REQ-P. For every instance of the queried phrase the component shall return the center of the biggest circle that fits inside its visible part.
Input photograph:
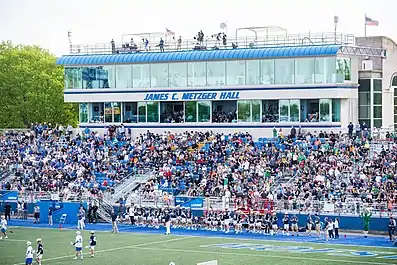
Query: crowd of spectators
(320, 167)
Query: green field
(150, 249)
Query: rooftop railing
(213, 43)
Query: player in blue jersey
(29, 253)
(317, 223)
(286, 225)
(3, 227)
(309, 224)
(92, 243)
(294, 225)
(39, 251)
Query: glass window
(394, 81)
(270, 111)
(178, 74)
(141, 111)
(216, 73)
(325, 110)
(159, 75)
(309, 110)
(130, 112)
(197, 74)
(244, 110)
(123, 76)
(141, 75)
(152, 111)
(325, 71)
(235, 73)
(364, 112)
(364, 85)
(336, 110)
(377, 112)
(294, 107)
(364, 99)
(343, 69)
(377, 98)
(304, 71)
(256, 110)
(83, 112)
(224, 111)
(378, 123)
(284, 110)
(378, 85)
(284, 71)
(99, 77)
(204, 111)
(108, 112)
(267, 71)
(253, 72)
(191, 111)
(96, 113)
(116, 108)
(73, 78)
(171, 112)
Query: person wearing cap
(3, 227)
(29, 253)
(92, 243)
(167, 220)
(78, 243)
(39, 251)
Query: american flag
(371, 22)
(170, 32)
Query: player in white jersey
(78, 243)
(3, 228)
(29, 253)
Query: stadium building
(315, 81)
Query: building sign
(187, 96)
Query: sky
(46, 22)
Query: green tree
(31, 88)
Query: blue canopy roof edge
(201, 55)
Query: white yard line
(115, 249)
(263, 255)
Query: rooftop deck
(171, 44)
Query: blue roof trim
(206, 55)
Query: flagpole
(365, 25)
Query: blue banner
(194, 203)
(8, 195)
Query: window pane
(343, 69)
(178, 74)
(99, 77)
(123, 76)
(152, 111)
(83, 112)
(141, 75)
(395, 100)
(235, 73)
(364, 85)
(378, 85)
(267, 70)
(216, 73)
(116, 107)
(377, 112)
(73, 78)
(304, 71)
(378, 123)
(141, 111)
(159, 75)
(367, 121)
(325, 109)
(284, 71)
(309, 110)
(395, 118)
(256, 110)
(244, 110)
(364, 99)
(325, 72)
(224, 111)
(96, 113)
(270, 111)
(130, 112)
(364, 112)
(204, 111)
(108, 112)
(284, 110)
(294, 110)
(394, 82)
(191, 111)
(336, 110)
(377, 98)
(197, 74)
(253, 72)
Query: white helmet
(78, 233)
(38, 240)
(28, 243)
(3, 217)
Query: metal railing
(213, 43)
(34, 196)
